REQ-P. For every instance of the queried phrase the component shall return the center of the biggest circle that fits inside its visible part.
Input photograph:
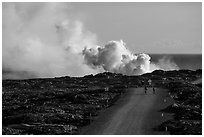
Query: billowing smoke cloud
(115, 57)
(44, 40)
(47, 40)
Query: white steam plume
(115, 57)
(166, 63)
(44, 39)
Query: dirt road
(136, 113)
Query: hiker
(145, 90)
(154, 90)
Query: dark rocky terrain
(63, 105)
(187, 109)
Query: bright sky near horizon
(146, 27)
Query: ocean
(183, 61)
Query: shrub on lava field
(181, 127)
(14, 119)
(189, 114)
(11, 131)
(173, 85)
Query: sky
(146, 27)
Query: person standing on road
(145, 90)
(154, 90)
